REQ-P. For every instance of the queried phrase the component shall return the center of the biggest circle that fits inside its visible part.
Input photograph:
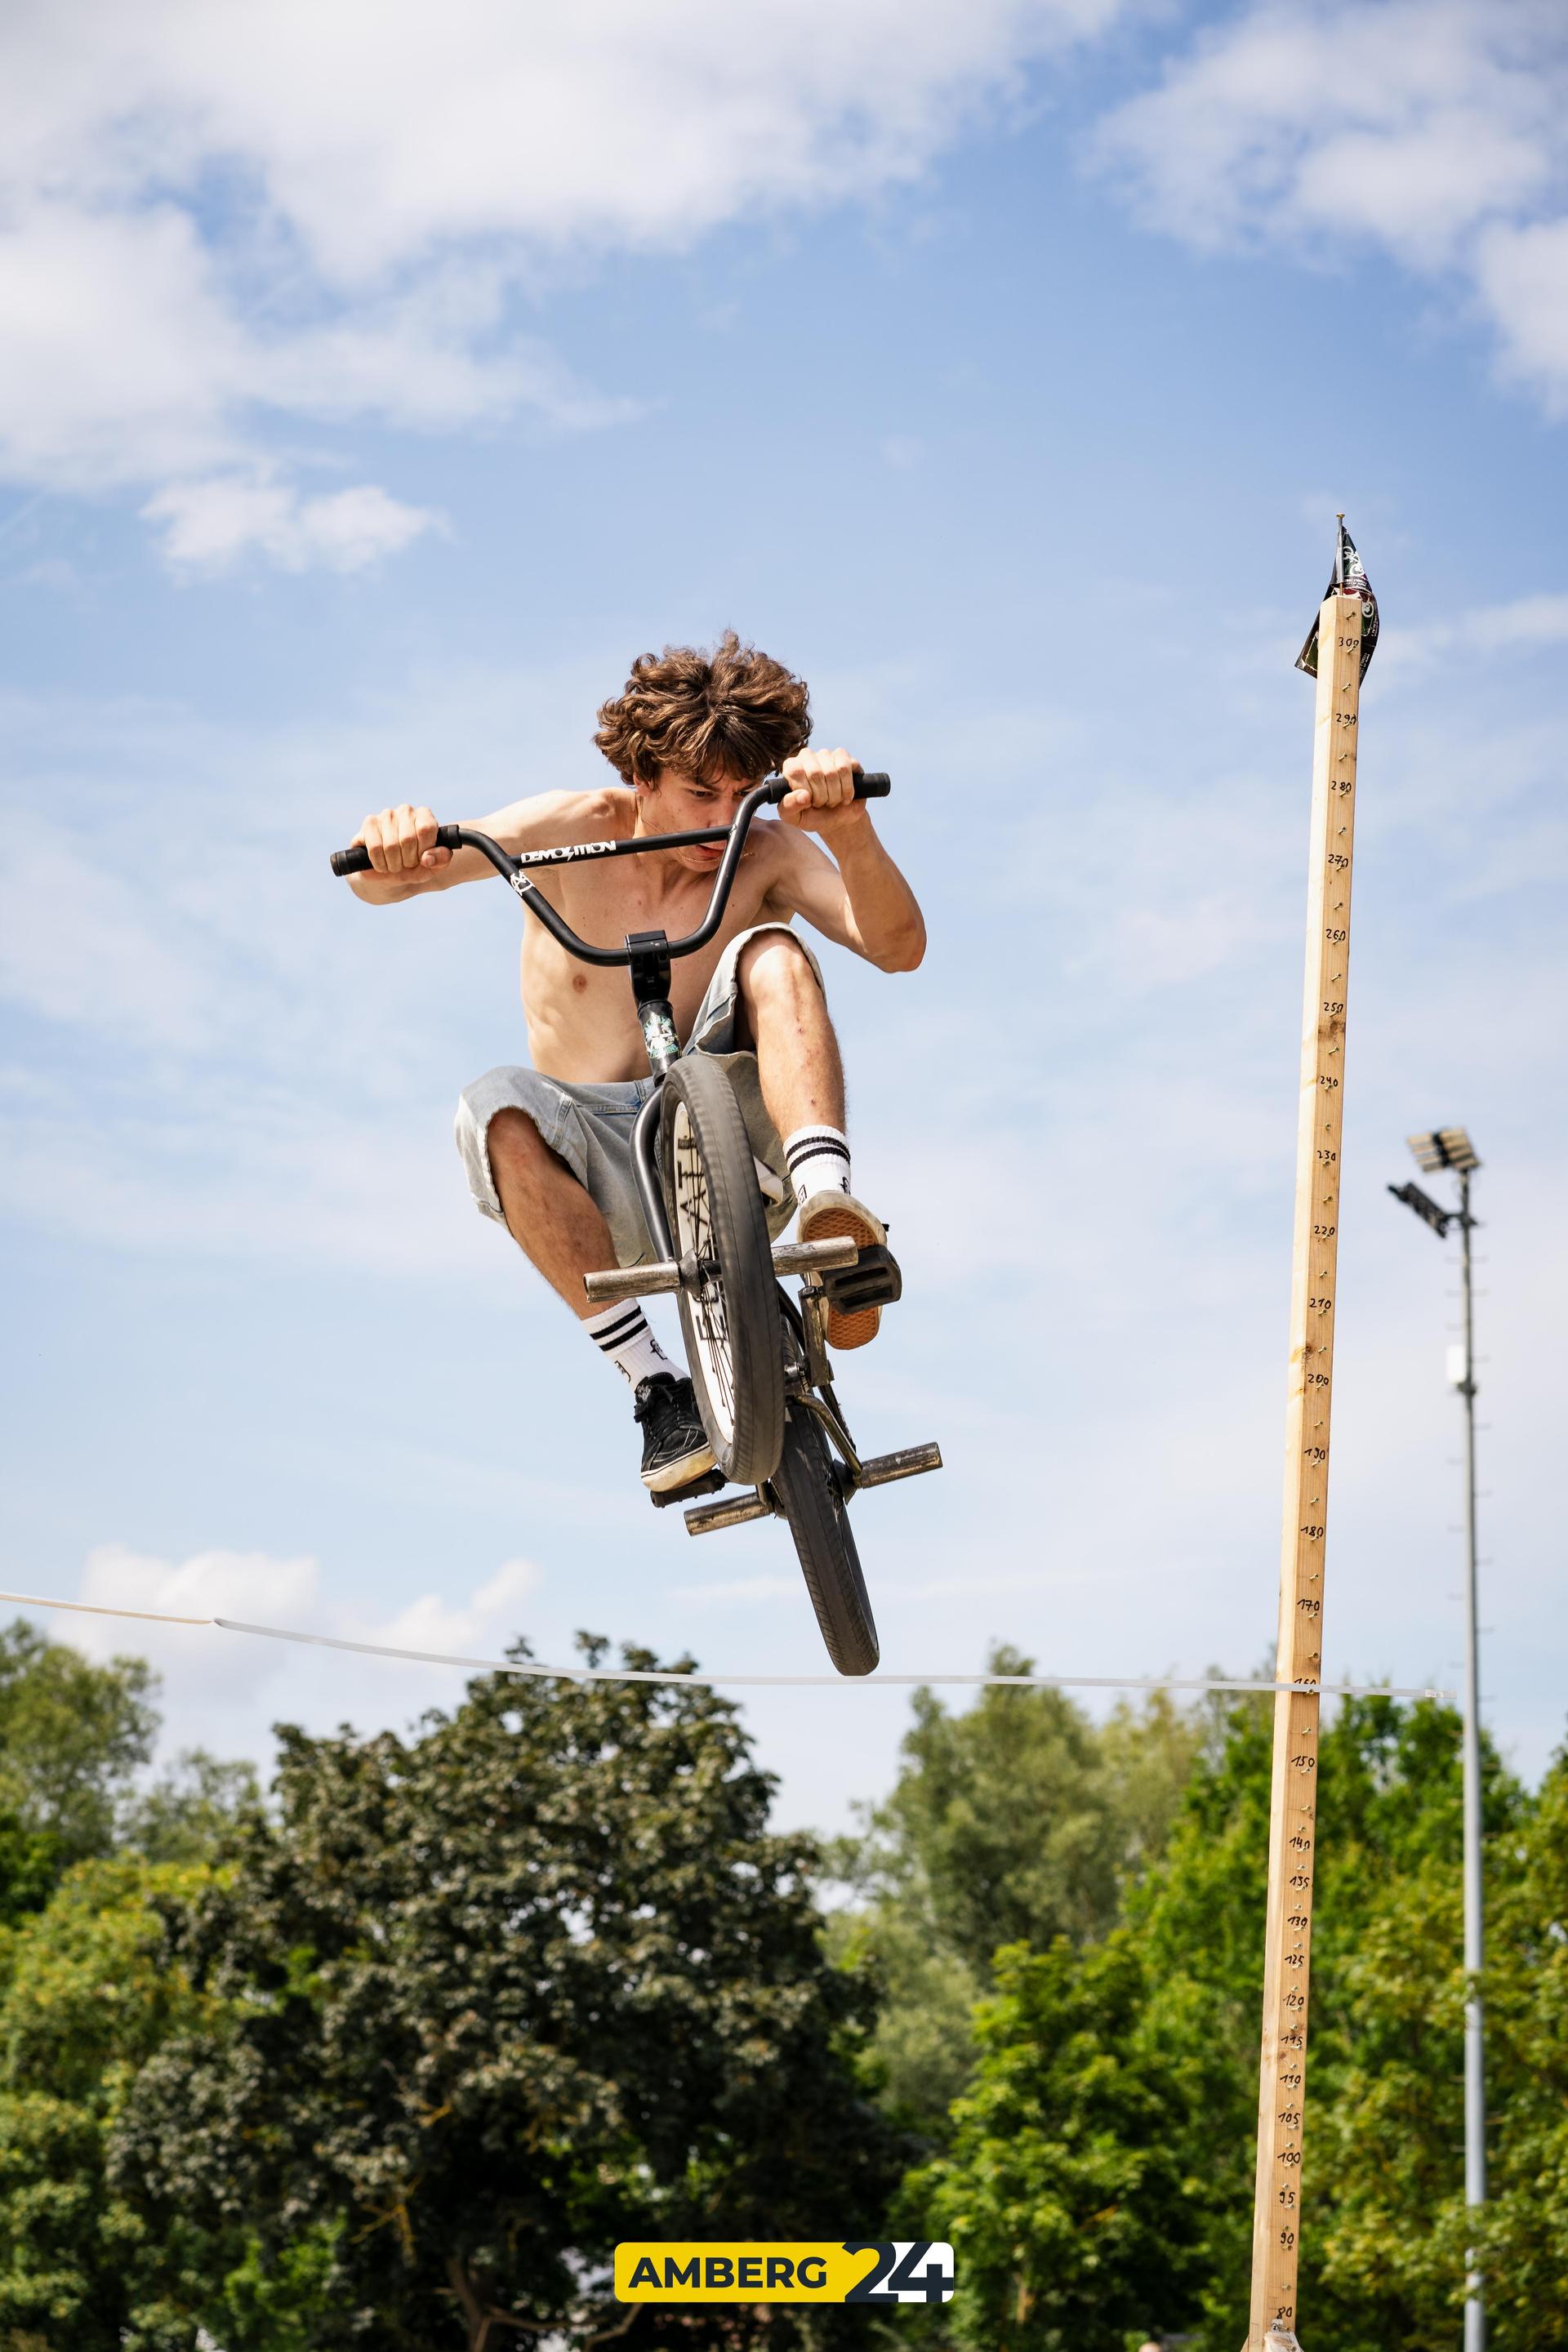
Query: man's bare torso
(582, 1021)
(581, 1018)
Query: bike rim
(709, 1322)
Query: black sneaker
(675, 1445)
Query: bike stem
(648, 954)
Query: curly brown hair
(730, 713)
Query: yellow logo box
(854, 2270)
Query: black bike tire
(808, 1493)
(748, 1452)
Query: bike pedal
(874, 1280)
(710, 1483)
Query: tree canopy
(1125, 2070)
(396, 2056)
(72, 1737)
(1015, 1822)
(488, 1999)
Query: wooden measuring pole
(1293, 1813)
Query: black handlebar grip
(867, 788)
(357, 859)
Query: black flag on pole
(1347, 579)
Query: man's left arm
(856, 898)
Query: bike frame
(648, 955)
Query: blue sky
(373, 391)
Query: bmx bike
(758, 1357)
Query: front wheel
(730, 1319)
(806, 1485)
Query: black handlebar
(357, 859)
(773, 790)
(769, 793)
(875, 787)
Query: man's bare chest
(604, 902)
(582, 1017)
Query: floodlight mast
(1451, 1147)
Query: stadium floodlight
(1445, 1147)
(1426, 1207)
(1450, 1148)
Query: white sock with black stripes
(622, 1333)
(817, 1159)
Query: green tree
(1392, 2229)
(1017, 1821)
(1385, 1954)
(1382, 2220)
(195, 1811)
(31, 1861)
(1149, 1753)
(72, 1737)
(86, 1995)
(999, 1828)
(1524, 2248)
(1065, 2192)
(487, 1999)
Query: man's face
(680, 803)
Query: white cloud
(215, 224)
(77, 946)
(374, 137)
(1523, 626)
(208, 217)
(168, 914)
(430, 1623)
(1433, 129)
(208, 525)
(223, 1689)
(122, 361)
(208, 1584)
(131, 354)
(1523, 278)
(738, 1591)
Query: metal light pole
(1451, 1147)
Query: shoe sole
(858, 1328)
(678, 1474)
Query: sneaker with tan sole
(826, 1217)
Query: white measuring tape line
(736, 1682)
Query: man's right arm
(406, 863)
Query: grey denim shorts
(590, 1126)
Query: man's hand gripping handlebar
(515, 870)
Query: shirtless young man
(548, 1150)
